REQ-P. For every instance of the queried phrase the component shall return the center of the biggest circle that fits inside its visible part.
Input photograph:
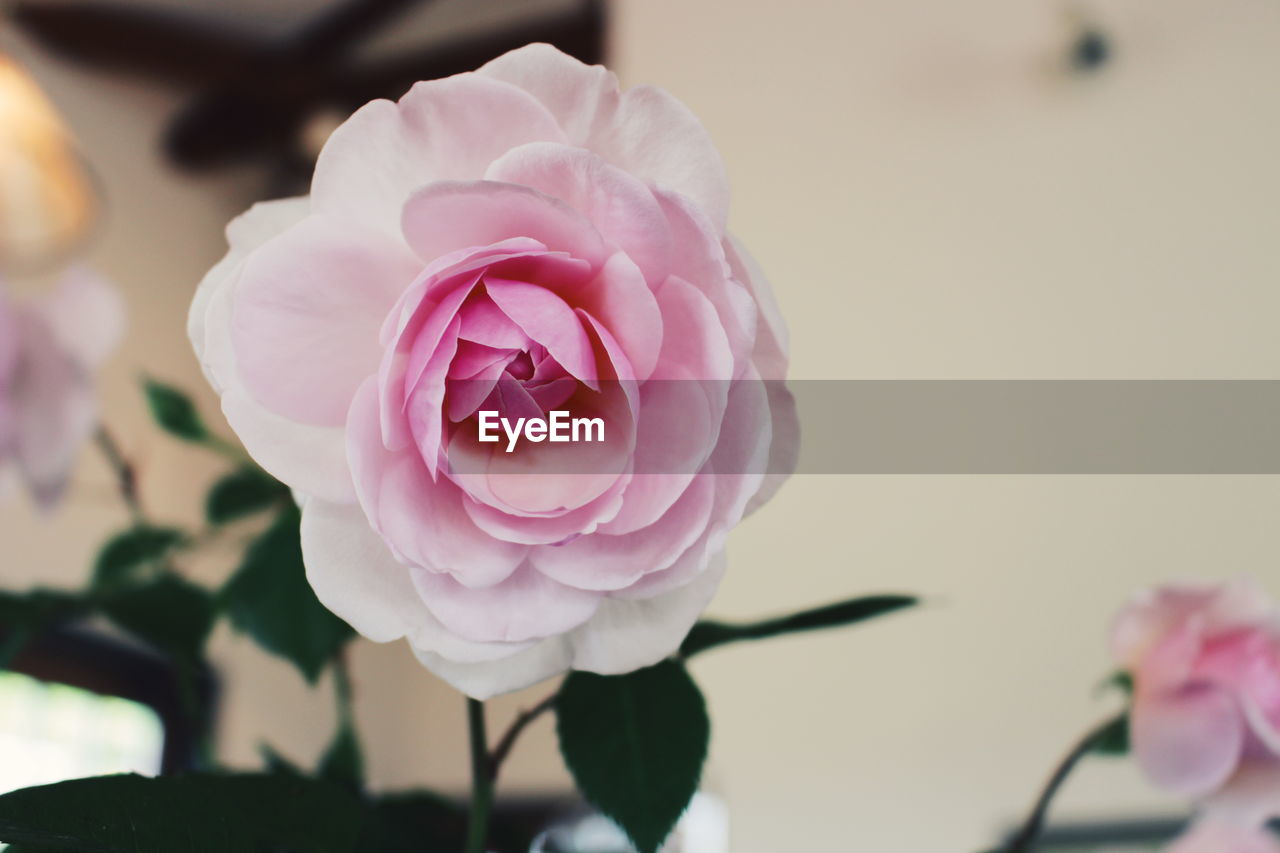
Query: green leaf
(170, 613)
(275, 762)
(242, 493)
(708, 634)
(40, 606)
(133, 549)
(174, 412)
(269, 599)
(418, 822)
(23, 615)
(207, 813)
(1114, 740)
(343, 762)
(635, 745)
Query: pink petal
(310, 459)
(621, 301)
(772, 341)
(447, 216)
(578, 95)
(621, 208)
(1189, 742)
(306, 316)
(699, 258)
(548, 320)
(428, 332)
(656, 138)
(54, 409)
(484, 323)
(527, 605)
(421, 519)
(605, 562)
(645, 131)
(86, 314)
(355, 575)
(627, 634)
(441, 130)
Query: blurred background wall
(934, 196)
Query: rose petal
(86, 315)
(446, 216)
(54, 409)
(448, 129)
(1188, 742)
(422, 519)
(548, 320)
(355, 576)
(527, 605)
(307, 313)
(578, 95)
(620, 207)
(656, 138)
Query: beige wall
(933, 200)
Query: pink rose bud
(1206, 707)
(497, 257)
(49, 351)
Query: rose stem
(508, 739)
(126, 475)
(481, 779)
(1025, 840)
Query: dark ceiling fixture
(254, 95)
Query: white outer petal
(354, 574)
(622, 636)
(308, 458)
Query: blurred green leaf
(243, 493)
(275, 762)
(41, 606)
(128, 551)
(25, 614)
(269, 599)
(205, 813)
(170, 613)
(174, 412)
(343, 762)
(1114, 740)
(635, 745)
(709, 634)
(418, 822)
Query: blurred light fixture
(47, 202)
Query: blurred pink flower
(1216, 836)
(50, 348)
(1206, 707)
(524, 238)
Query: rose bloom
(1205, 722)
(50, 347)
(521, 239)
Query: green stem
(508, 740)
(481, 779)
(342, 689)
(1025, 840)
(126, 475)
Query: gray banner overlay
(1039, 427)
(959, 427)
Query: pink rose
(1206, 707)
(49, 350)
(524, 238)
(1213, 836)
